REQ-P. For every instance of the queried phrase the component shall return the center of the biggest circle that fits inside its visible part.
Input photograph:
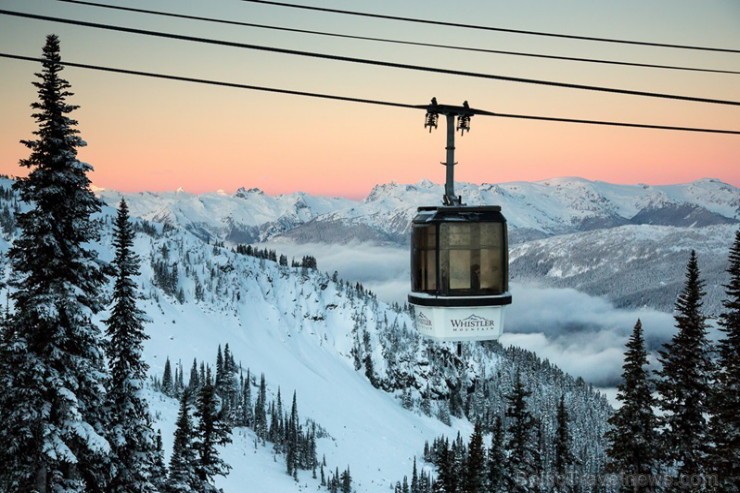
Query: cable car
(459, 263)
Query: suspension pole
(463, 114)
(450, 197)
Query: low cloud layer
(382, 269)
(582, 334)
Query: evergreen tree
(334, 482)
(226, 386)
(520, 443)
(725, 402)
(51, 357)
(403, 487)
(563, 455)
(194, 381)
(260, 413)
(168, 385)
(159, 473)
(292, 438)
(211, 431)
(346, 479)
(683, 386)
(447, 477)
(130, 428)
(179, 379)
(631, 439)
(542, 475)
(219, 367)
(474, 473)
(275, 433)
(496, 459)
(183, 478)
(247, 410)
(415, 478)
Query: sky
(147, 134)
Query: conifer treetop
(52, 369)
(684, 382)
(725, 398)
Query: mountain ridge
(533, 209)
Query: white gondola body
(459, 272)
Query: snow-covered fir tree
(52, 371)
(211, 430)
(226, 384)
(475, 471)
(247, 411)
(130, 432)
(260, 413)
(725, 401)
(168, 383)
(182, 475)
(292, 436)
(159, 470)
(632, 454)
(496, 459)
(520, 439)
(564, 457)
(683, 388)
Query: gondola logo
(473, 322)
(423, 321)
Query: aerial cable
(215, 82)
(472, 111)
(492, 28)
(372, 62)
(399, 41)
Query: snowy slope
(299, 328)
(369, 430)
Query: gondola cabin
(459, 272)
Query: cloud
(383, 269)
(583, 335)
(596, 358)
(558, 312)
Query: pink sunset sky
(147, 134)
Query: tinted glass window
(424, 259)
(472, 258)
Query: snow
(270, 331)
(363, 422)
(96, 442)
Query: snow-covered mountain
(533, 209)
(633, 266)
(244, 217)
(376, 388)
(564, 232)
